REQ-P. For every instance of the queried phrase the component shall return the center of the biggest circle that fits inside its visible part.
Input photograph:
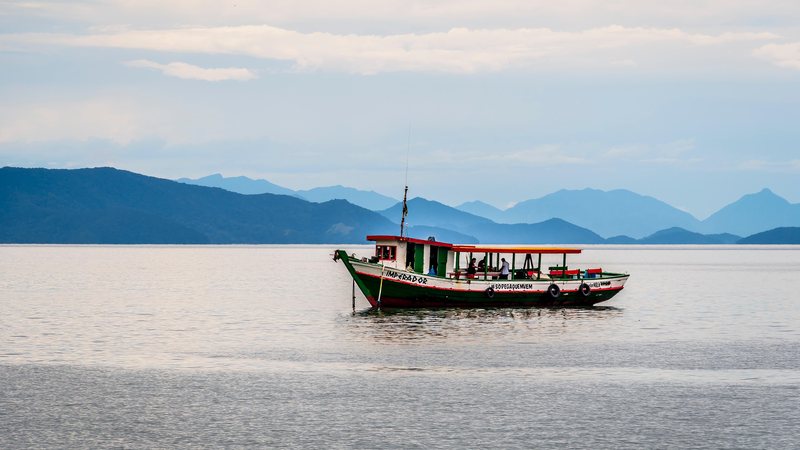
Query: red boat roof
(380, 237)
(487, 249)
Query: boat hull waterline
(401, 289)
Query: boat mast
(405, 193)
(405, 211)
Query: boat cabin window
(386, 252)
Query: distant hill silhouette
(366, 199)
(482, 209)
(106, 205)
(608, 213)
(244, 185)
(241, 185)
(621, 239)
(629, 217)
(111, 206)
(432, 213)
(621, 214)
(677, 235)
(552, 231)
(754, 213)
(783, 235)
(441, 234)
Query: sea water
(161, 346)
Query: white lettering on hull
(512, 286)
(406, 277)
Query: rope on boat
(380, 287)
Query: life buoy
(554, 290)
(585, 290)
(489, 292)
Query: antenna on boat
(405, 192)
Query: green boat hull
(385, 292)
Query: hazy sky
(693, 102)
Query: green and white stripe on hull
(398, 288)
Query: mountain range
(782, 235)
(607, 213)
(244, 185)
(677, 235)
(611, 214)
(241, 185)
(106, 205)
(754, 213)
(622, 212)
(551, 231)
(110, 206)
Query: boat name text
(406, 277)
(513, 286)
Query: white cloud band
(191, 72)
(782, 55)
(459, 50)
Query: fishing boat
(405, 272)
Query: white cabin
(422, 256)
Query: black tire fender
(489, 292)
(584, 289)
(554, 291)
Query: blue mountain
(676, 235)
(244, 185)
(241, 185)
(754, 213)
(366, 199)
(110, 206)
(482, 209)
(441, 234)
(782, 235)
(107, 205)
(608, 213)
(432, 213)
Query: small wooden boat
(406, 272)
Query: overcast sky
(693, 102)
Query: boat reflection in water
(458, 324)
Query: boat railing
(564, 272)
(493, 274)
(555, 273)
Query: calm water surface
(147, 347)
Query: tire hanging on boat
(585, 290)
(489, 292)
(554, 291)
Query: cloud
(547, 155)
(677, 148)
(190, 72)
(782, 55)
(670, 153)
(362, 15)
(625, 151)
(759, 165)
(458, 50)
